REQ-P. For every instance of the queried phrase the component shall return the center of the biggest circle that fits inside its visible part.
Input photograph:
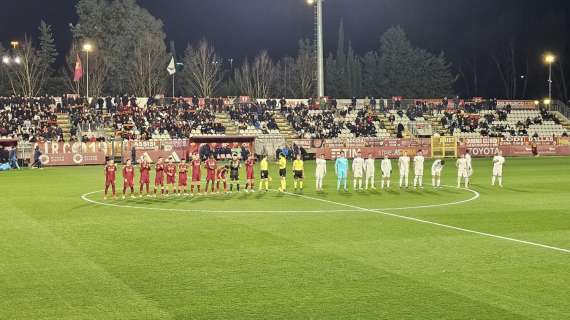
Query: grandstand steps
(389, 126)
(436, 124)
(65, 125)
(284, 127)
(224, 119)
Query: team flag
(171, 67)
(78, 73)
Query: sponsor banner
(377, 152)
(74, 153)
(374, 142)
(517, 104)
(152, 156)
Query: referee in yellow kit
(283, 172)
(298, 171)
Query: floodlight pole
(320, 49)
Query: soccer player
(264, 174)
(498, 161)
(170, 176)
(468, 159)
(298, 172)
(436, 170)
(283, 172)
(159, 177)
(341, 169)
(462, 171)
(369, 171)
(321, 171)
(110, 170)
(419, 170)
(357, 171)
(196, 174)
(144, 179)
(249, 174)
(404, 167)
(128, 178)
(386, 167)
(221, 176)
(182, 178)
(211, 165)
(235, 164)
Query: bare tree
(256, 79)
(98, 69)
(28, 74)
(304, 70)
(203, 69)
(149, 67)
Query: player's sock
(199, 191)
(106, 189)
(113, 187)
(354, 184)
(388, 183)
(360, 184)
(338, 184)
(345, 182)
(438, 182)
(301, 185)
(238, 187)
(493, 180)
(466, 182)
(231, 187)
(500, 181)
(433, 182)
(295, 184)
(421, 181)
(382, 183)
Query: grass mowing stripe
(435, 223)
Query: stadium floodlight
(6, 60)
(17, 60)
(14, 44)
(547, 102)
(87, 47)
(536, 102)
(549, 58)
(318, 4)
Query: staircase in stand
(224, 119)
(65, 125)
(284, 127)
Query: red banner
(74, 153)
(517, 104)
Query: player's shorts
(419, 172)
(436, 172)
(129, 183)
(234, 175)
(264, 174)
(404, 173)
(170, 179)
(196, 177)
(144, 180)
(463, 174)
(210, 176)
(498, 172)
(250, 175)
(341, 175)
(159, 180)
(283, 173)
(298, 174)
(109, 182)
(386, 174)
(183, 180)
(319, 175)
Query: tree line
(131, 56)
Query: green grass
(64, 258)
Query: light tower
(87, 48)
(549, 58)
(318, 4)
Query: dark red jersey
(128, 173)
(170, 170)
(221, 173)
(249, 163)
(182, 169)
(110, 171)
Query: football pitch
(484, 253)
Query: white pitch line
(85, 198)
(435, 223)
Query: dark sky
(463, 29)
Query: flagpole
(173, 86)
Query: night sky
(238, 28)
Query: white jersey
(436, 168)
(469, 167)
(386, 166)
(321, 170)
(498, 162)
(358, 167)
(404, 164)
(462, 167)
(369, 167)
(419, 165)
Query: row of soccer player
(216, 176)
(365, 169)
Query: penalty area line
(485, 234)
